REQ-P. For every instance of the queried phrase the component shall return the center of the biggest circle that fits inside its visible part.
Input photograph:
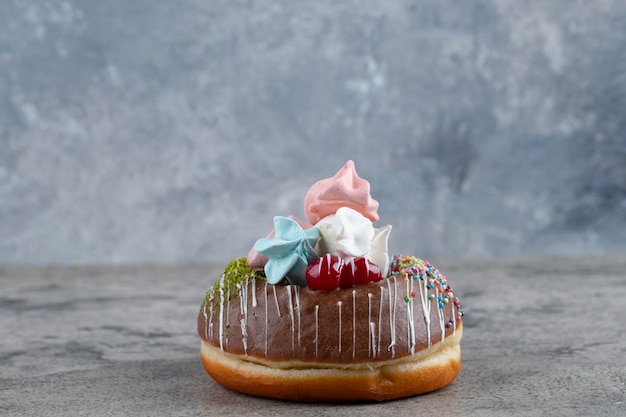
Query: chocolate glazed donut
(389, 339)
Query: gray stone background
(142, 131)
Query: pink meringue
(345, 189)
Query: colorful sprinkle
(409, 267)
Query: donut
(321, 321)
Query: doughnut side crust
(332, 382)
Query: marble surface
(542, 337)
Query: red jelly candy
(360, 271)
(325, 273)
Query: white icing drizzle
(206, 323)
(221, 328)
(244, 337)
(243, 298)
(317, 309)
(442, 323)
(211, 321)
(297, 293)
(339, 305)
(392, 317)
(425, 306)
(409, 312)
(254, 292)
(276, 299)
(453, 318)
(267, 319)
(293, 324)
(354, 323)
(455, 311)
(380, 316)
(372, 340)
(227, 315)
(408, 327)
(369, 321)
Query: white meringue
(379, 252)
(346, 234)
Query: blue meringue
(289, 252)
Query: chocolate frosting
(379, 321)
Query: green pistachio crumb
(234, 274)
